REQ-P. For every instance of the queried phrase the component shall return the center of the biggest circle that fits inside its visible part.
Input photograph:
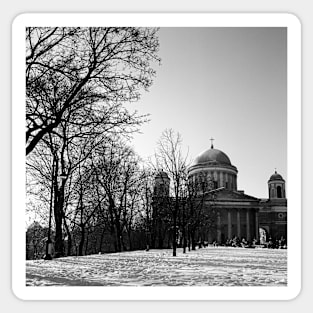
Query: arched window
(279, 193)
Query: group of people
(236, 242)
(277, 243)
(243, 243)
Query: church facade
(237, 214)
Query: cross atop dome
(212, 139)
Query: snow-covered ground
(222, 266)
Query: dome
(214, 165)
(276, 176)
(212, 156)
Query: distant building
(236, 213)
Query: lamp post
(184, 202)
(48, 255)
(49, 243)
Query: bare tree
(62, 151)
(116, 167)
(77, 80)
(199, 215)
(73, 69)
(86, 205)
(146, 212)
(169, 156)
(133, 186)
(35, 241)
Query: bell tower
(276, 187)
(161, 185)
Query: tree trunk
(154, 230)
(123, 243)
(129, 240)
(184, 240)
(153, 237)
(161, 234)
(69, 237)
(174, 226)
(59, 247)
(101, 240)
(188, 240)
(174, 235)
(184, 232)
(94, 242)
(193, 242)
(58, 216)
(82, 240)
(118, 236)
(87, 241)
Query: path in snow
(204, 267)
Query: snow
(211, 266)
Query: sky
(225, 83)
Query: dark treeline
(97, 240)
(113, 203)
(87, 189)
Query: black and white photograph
(157, 156)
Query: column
(221, 184)
(257, 225)
(219, 234)
(238, 224)
(229, 234)
(248, 225)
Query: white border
(161, 20)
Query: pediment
(233, 195)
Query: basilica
(237, 214)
